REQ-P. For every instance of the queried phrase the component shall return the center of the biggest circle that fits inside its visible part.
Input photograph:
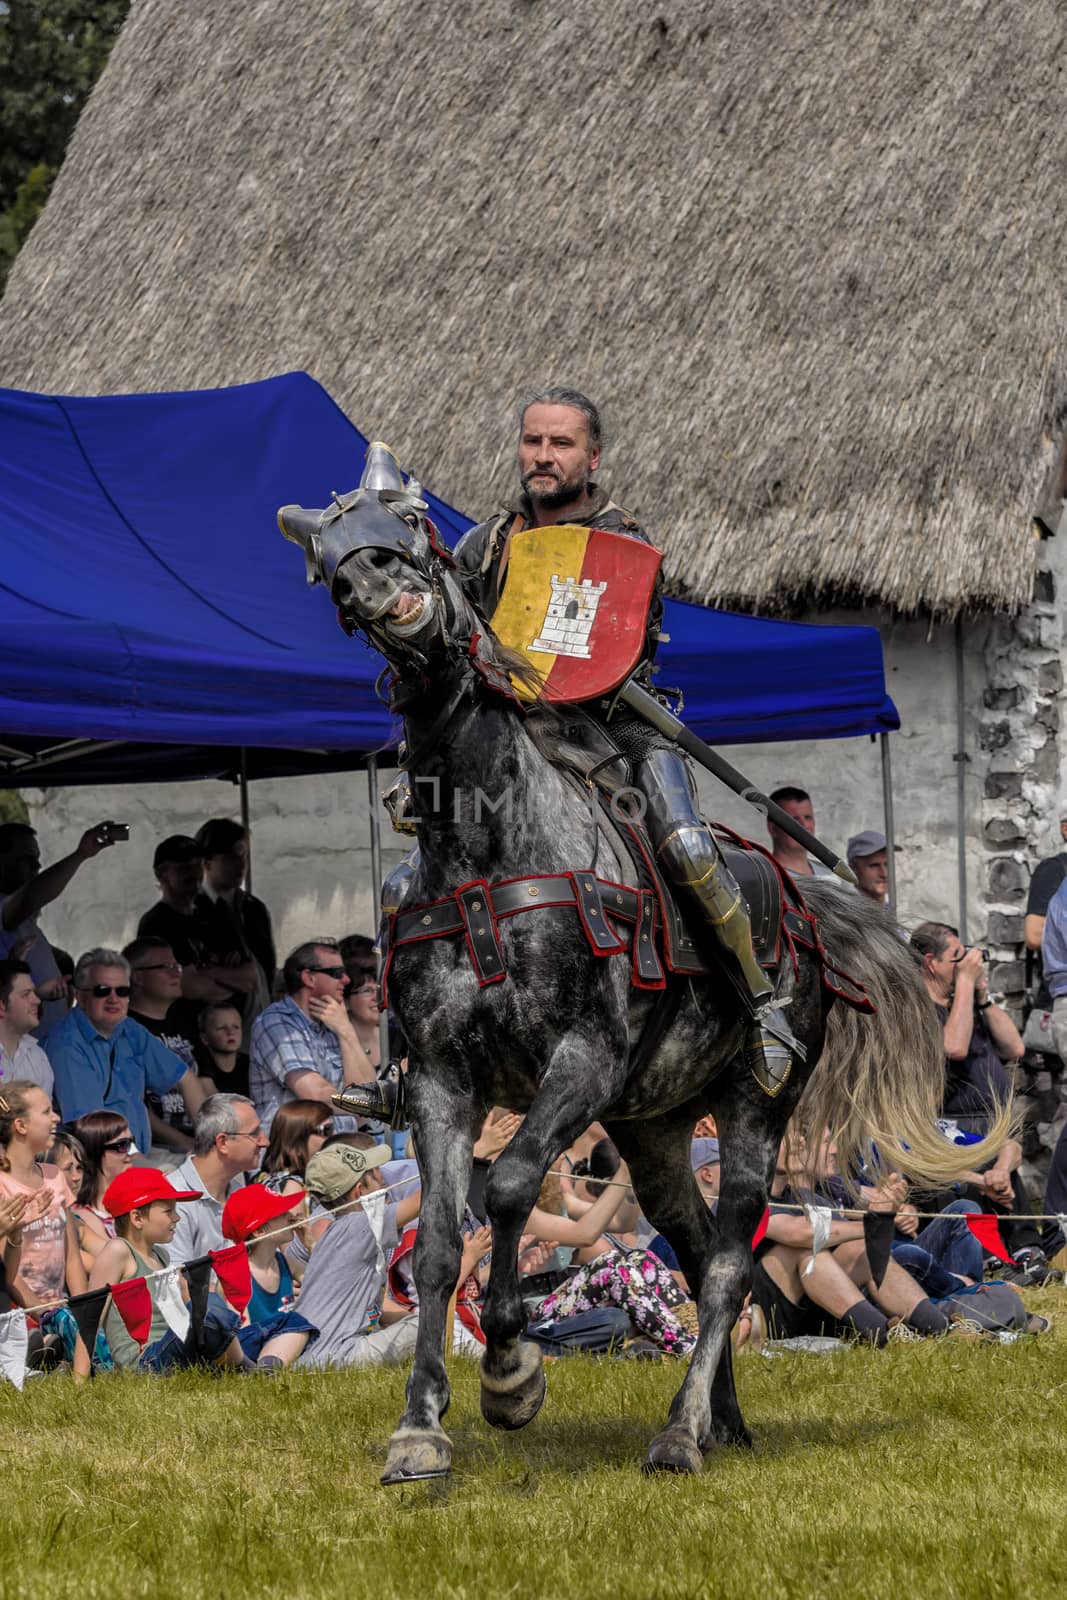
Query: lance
(649, 709)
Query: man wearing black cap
(179, 917)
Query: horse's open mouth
(408, 612)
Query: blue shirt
(1054, 943)
(98, 1074)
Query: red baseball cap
(139, 1186)
(251, 1208)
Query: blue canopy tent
(155, 624)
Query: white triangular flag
(14, 1340)
(374, 1211)
(820, 1218)
(170, 1302)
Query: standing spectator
(224, 848)
(1048, 875)
(185, 919)
(1053, 956)
(305, 1047)
(868, 856)
(979, 1038)
(103, 1061)
(227, 1141)
(25, 890)
(156, 1003)
(786, 851)
(50, 1265)
(222, 1063)
(107, 1149)
(20, 1010)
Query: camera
(116, 831)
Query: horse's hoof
(512, 1399)
(674, 1450)
(734, 1435)
(417, 1453)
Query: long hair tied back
(14, 1103)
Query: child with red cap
(145, 1208)
(274, 1334)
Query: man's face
(556, 460)
(226, 871)
(326, 977)
(180, 880)
(240, 1151)
(22, 1010)
(942, 968)
(105, 1011)
(801, 810)
(157, 976)
(872, 875)
(21, 863)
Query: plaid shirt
(285, 1041)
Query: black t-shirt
(235, 1082)
(170, 1107)
(973, 1085)
(204, 937)
(1048, 875)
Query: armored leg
(692, 861)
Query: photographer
(980, 1038)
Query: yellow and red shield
(576, 603)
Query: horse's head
(392, 578)
(382, 560)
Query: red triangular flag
(986, 1230)
(133, 1303)
(762, 1229)
(234, 1274)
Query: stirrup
(381, 1102)
(770, 1049)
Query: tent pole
(887, 812)
(961, 782)
(243, 780)
(373, 802)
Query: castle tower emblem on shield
(570, 617)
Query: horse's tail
(880, 1079)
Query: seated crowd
(168, 1099)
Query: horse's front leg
(444, 1121)
(705, 1409)
(580, 1080)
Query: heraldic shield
(576, 603)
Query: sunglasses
(329, 972)
(324, 1130)
(102, 990)
(160, 966)
(123, 1146)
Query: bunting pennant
(170, 1302)
(14, 1341)
(133, 1302)
(234, 1274)
(198, 1279)
(986, 1230)
(87, 1309)
(761, 1230)
(878, 1230)
(374, 1210)
(820, 1218)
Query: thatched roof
(808, 259)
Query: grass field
(933, 1469)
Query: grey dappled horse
(554, 1039)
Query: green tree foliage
(51, 54)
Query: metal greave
(692, 861)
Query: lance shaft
(650, 709)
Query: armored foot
(416, 1453)
(674, 1450)
(512, 1398)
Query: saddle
(643, 919)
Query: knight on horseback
(560, 443)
